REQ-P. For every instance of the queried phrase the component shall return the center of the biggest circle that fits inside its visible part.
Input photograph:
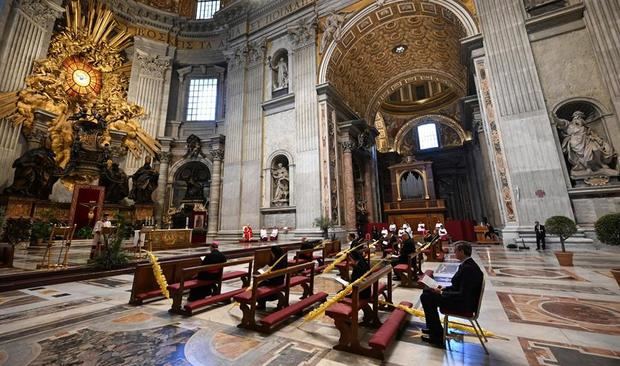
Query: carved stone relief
(154, 66)
(194, 148)
(39, 11)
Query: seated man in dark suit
(462, 295)
(214, 257)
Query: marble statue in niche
(144, 183)
(279, 67)
(281, 185)
(587, 153)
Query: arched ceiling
(364, 68)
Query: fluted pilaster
(235, 99)
(308, 182)
(253, 134)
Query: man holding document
(462, 295)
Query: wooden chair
(471, 316)
(66, 233)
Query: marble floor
(546, 315)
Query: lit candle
(186, 222)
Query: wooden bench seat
(280, 315)
(387, 332)
(191, 306)
(188, 280)
(227, 276)
(145, 287)
(248, 299)
(345, 314)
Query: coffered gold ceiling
(365, 70)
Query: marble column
(308, 168)
(521, 134)
(235, 101)
(368, 190)
(347, 146)
(29, 27)
(217, 155)
(160, 194)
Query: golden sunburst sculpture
(83, 71)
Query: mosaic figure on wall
(586, 151)
(144, 183)
(281, 185)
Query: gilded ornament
(82, 72)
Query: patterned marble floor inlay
(533, 273)
(90, 323)
(563, 312)
(555, 287)
(547, 353)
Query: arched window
(280, 181)
(427, 136)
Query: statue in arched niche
(281, 185)
(586, 151)
(279, 66)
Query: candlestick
(187, 222)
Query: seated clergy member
(305, 244)
(214, 257)
(274, 234)
(406, 248)
(462, 295)
(276, 254)
(263, 235)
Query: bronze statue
(35, 174)
(115, 181)
(144, 183)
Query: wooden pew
(344, 266)
(345, 315)
(144, 284)
(188, 280)
(410, 273)
(248, 299)
(435, 253)
(262, 257)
